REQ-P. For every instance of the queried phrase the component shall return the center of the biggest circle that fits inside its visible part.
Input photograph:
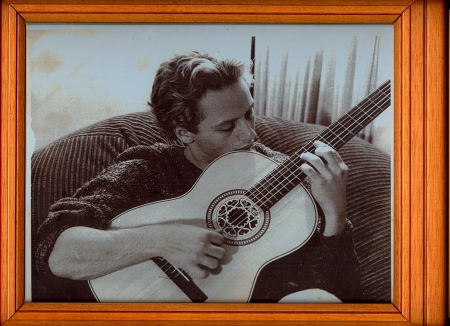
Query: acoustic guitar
(262, 207)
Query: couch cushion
(61, 167)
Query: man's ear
(184, 135)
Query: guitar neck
(350, 124)
(284, 178)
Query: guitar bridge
(181, 279)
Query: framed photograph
(416, 260)
(303, 75)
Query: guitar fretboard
(286, 176)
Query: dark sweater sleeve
(327, 263)
(335, 266)
(123, 185)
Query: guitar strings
(292, 164)
(290, 169)
(266, 192)
(358, 117)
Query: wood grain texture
(420, 192)
(349, 3)
(207, 9)
(402, 164)
(417, 165)
(435, 158)
(20, 164)
(417, 203)
(9, 160)
(201, 323)
(207, 13)
(207, 18)
(212, 312)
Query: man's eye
(228, 128)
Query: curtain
(310, 91)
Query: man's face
(228, 124)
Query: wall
(79, 74)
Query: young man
(206, 104)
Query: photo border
(420, 160)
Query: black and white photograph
(209, 163)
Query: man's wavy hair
(182, 81)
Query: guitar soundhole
(241, 221)
(237, 217)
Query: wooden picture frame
(420, 160)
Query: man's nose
(247, 132)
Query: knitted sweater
(145, 174)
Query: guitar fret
(338, 137)
(273, 190)
(279, 174)
(260, 199)
(289, 170)
(266, 198)
(270, 194)
(323, 140)
(362, 126)
(278, 181)
(264, 187)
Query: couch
(59, 168)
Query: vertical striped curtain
(312, 93)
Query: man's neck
(194, 160)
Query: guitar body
(254, 238)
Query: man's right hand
(82, 253)
(194, 249)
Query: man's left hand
(327, 174)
